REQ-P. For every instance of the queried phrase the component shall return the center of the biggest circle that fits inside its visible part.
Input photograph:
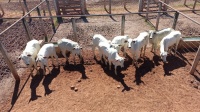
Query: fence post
(165, 6)
(74, 28)
(42, 6)
(23, 10)
(59, 19)
(26, 7)
(122, 24)
(109, 6)
(175, 20)
(158, 17)
(195, 62)
(41, 23)
(147, 14)
(140, 6)
(8, 61)
(26, 29)
(104, 4)
(2, 14)
(185, 2)
(83, 7)
(195, 2)
(52, 23)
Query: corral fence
(177, 20)
(44, 28)
(20, 32)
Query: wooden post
(26, 29)
(26, 7)
(59, 19)
(74, 28)
(109, 6)
(165, 6)
(1, 15)
(1, 8)
(42, 6)
(158, 17)
(23, 10)
(42, 25)
(185, 2)
(124, 4)
(9, 62)
(147, 14)
(104, 4)
(175, 20)
(195, 62)
(122, 24)
(140, 9)
(52, 23)
(195, 2)
(83, 7)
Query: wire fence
(16, 33)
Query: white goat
(122, 41)
(30, 53)
(47, 50)
(97, 38)
(67, 45)
(111, 54)
(168, 41)
(156, 36)
(137, 44)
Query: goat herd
(108, 50)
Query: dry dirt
(153, 86)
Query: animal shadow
(119, 77)
(156, 60)
(77, 67)
(48, 79)
(146, 67)
(34, 84)
(173, 63)
(127, 62)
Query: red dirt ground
(151, 87)
(154, 86)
